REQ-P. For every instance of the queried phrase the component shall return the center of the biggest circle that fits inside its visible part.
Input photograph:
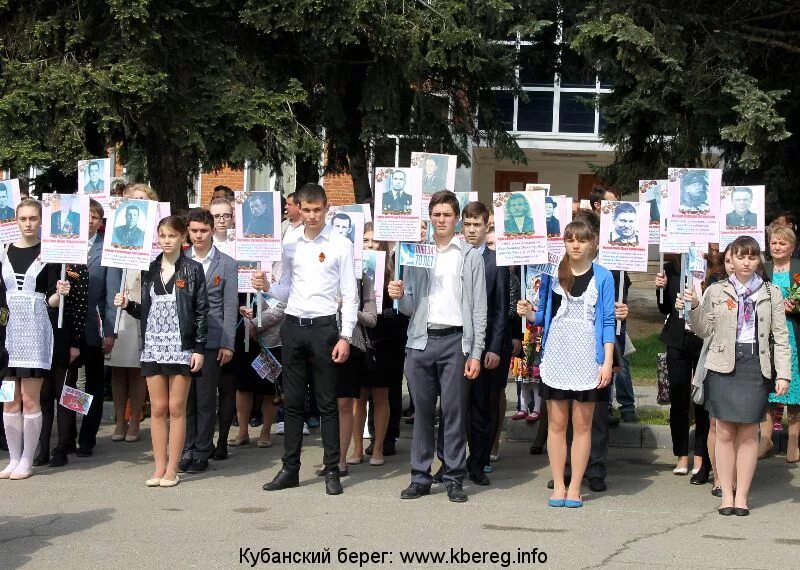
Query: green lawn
(643, 361)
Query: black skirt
(26, 372)
(159, 369)
(350, 375)
(247, 379)
(593, 395)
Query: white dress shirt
(444, 293)
(315, 273)
(206, 261)
(227, 247)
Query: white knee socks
(31, 428)
(13, 425)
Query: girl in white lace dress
(577, 313)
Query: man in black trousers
(485, 391)
(318, 270)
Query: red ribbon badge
(180, 283)
(321, 256)
(731, 304)
(217, 280)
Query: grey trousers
(438, 369)
(201, 409)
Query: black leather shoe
(455, 492)
(597, 485)
(59, 459)
(70, 448)
(551, 484)
(389, 448)
(198, 466)
(726, 511)
(183, 464)
(701, 477)
(370, 448)
(741, 511)
(84, 452)
(716, 492)
(478, 477)
(43, 458)
(332, 484)
(415, 491)
(220, 452)
(285, 479)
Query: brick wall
(233, 179)
(339, 189)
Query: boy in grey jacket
(447, 306)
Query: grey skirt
(740, 396)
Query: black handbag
(662, 395)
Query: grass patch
(654, 416)
(643, 362)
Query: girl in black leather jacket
(173, 315)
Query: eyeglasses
(223, 216)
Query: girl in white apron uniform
(166, 364)
(576, 310)
(31, 287)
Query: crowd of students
(188, 338)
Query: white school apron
(29, 334)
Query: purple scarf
(747, 299)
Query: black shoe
(332, 484)
(285, 479)
(70, 448)
(43, 458)
(478, 477)
(389, 448)
(597, 485)
(408, 412)
(455, 492)
(437, 477)
(235, 422)
(701, 477)
(716, 492)
(410, 420)
(220, 452)
(536, 449)
(741, 512)
(198, 466)
(59, 459)
(551, 484)
(370, 448)
(415, 491)
(629, 416)
(183, 464)
(613, 420)
(256, 422)
(726, 511)
(84, 452)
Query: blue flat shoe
(488, 469)
(570, 504)
(556, 502)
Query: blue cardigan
(604, 322)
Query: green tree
(690, 77)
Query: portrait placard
(375, 269)
(742, 214)
(245, 271)
(65, 228)
(398, 199)
(363, 208)
(351, 226)
(557, 214)
(651, 191)
(258, 226)
(624, 229)
(9, 200)
(535, 187)
(520, 228)
(76, 400)
(129, 233)
(162, 211)
(463, 198)
(533, 283)
(694, 204)
(94, 179)
(437, 172)
(666, 244)
(7, 389)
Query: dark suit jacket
(104, 283)
(132, 238)
(498, 332)
(401, 204)
(674, 332)
(512, 228)
(223, 301)
(7, 213)
(90, 188)
(57, 223)
(734, 220)
(433, 184)
(553, 226)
